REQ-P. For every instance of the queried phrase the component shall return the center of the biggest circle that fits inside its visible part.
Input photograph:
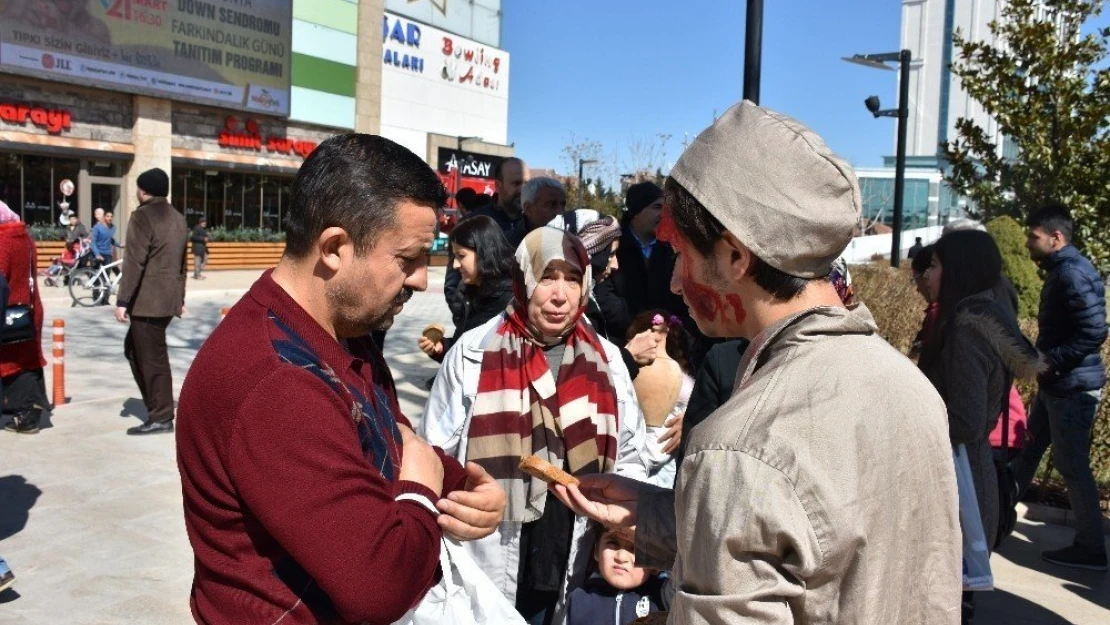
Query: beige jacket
(823, 491)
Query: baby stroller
(75, 256)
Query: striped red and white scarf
(569, 418)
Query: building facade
(937, 100)
(445, 87)
(227, 98)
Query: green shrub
(1016, 264)
(891, 297)
(47, 233)
(244, 235)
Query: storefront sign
(53, 121)
(450, 60)
(248, 136)
(458, 169)
(402, 41)
(231, 53)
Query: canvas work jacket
(823, 491)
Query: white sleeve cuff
(420, 499)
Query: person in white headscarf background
(538, 380)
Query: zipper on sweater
(617, 612)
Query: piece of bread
(538, 467)
(435, 332)
(655, 618)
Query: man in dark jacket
(76, 231)
(151, 293)
(199, 237)
(1072, 323)
(646, 264)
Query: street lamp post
(582, 162)
(879, 61)
(753, 49)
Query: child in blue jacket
(619, 592)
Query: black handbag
(19, 320)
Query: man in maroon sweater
(308, 499)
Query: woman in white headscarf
(538, 380)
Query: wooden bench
(220, 255)
(224, 255)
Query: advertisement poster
(228, 53)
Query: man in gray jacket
(151, 293)
(824, 490)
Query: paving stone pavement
(91, 521)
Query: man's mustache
(404, 296)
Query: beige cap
(774, 184)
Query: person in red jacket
(21, 363)
(308, 498)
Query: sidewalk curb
(1056, 516)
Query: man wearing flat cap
(823, 491)
(151, 293)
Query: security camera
(873, 105)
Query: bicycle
(89, 286)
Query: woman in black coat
(481, 254)
(972, 356)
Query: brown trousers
(145, 348)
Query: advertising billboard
(479, 20)
(228, 53)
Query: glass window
(233, 199)
(38, 190)
(196, 191)
(214, 198)
(252, 204)
(271, 203)
(178, 184)
(11, 181)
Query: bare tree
(646, 156)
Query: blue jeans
(1066, 422)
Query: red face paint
(705, 300)
(666, 230)
(737, 307)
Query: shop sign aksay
(249, 137)
(53, 121)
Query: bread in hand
(435, 333)
(538, 467)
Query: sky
(616, 71)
